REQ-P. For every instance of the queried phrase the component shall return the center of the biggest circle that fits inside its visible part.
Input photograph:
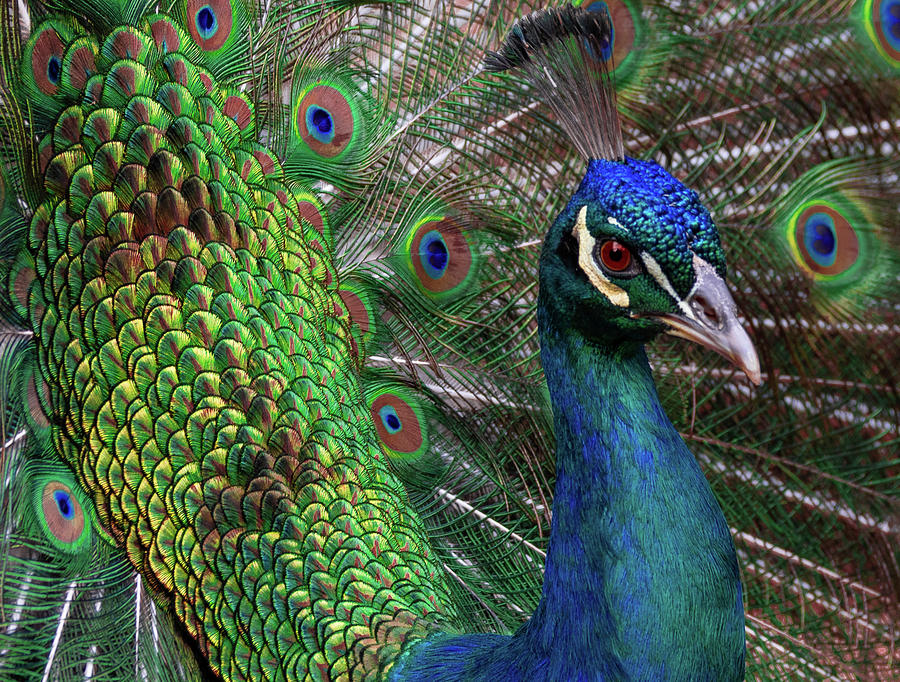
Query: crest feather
(563, 51)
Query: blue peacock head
(635, 253)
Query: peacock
(337, 340)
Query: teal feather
(761, 110)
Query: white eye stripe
(663, 281)
(613, 221)
(616, 295)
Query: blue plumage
(656, 212)
(641, 580)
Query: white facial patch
(616, 295)
(663, 281)
(613, 221)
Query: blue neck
(641, 580)
(640, 563)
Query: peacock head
(635, 254)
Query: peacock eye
(616, 258)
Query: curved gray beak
(710, 319)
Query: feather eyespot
(625, 37)
(62, 513)
(210, 23)
(826, 242)
(616, 258)
(441, 257)
(325, 120)
(400, 423)
(46, 57)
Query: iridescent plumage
(272, 400)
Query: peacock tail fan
(753, 133)
(270, 280)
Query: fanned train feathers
(269, 347)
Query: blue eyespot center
(437, 255)
(823, 241)
(64, 504)
(434, 254)
(322, 121)
(606, 46)
(820, 239)
(54, 68)
(206, 21)
(390, 419)
(889, 16)
(320, 124)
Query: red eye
(615, 256)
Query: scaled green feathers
(195, 361)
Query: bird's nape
(273, 400)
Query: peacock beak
(710, 319)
